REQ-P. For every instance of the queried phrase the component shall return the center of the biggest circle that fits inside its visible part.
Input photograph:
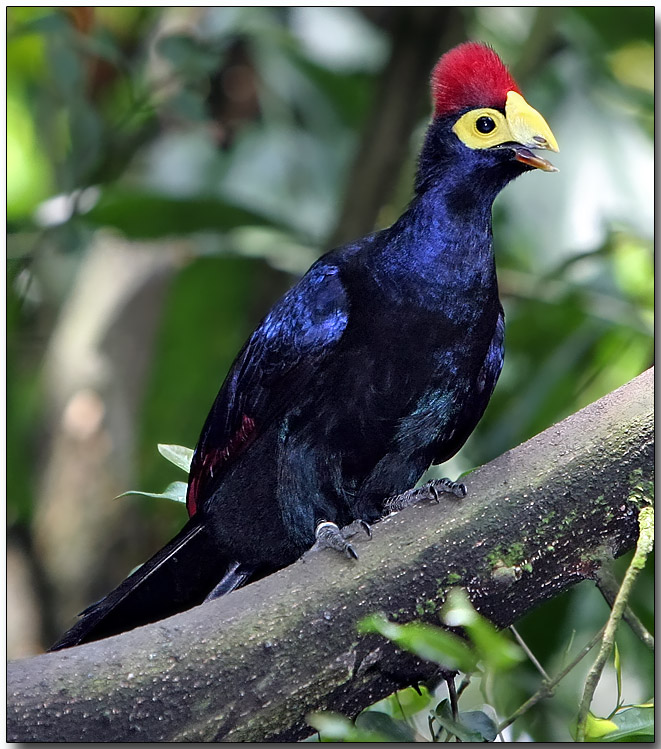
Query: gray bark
(252, 665)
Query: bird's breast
(390, 356)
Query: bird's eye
(484, 124)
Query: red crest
(470, 75)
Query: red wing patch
(215, 459)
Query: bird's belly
(404, 400)
(372, 418)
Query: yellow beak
(530, 130)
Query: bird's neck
(443, 241)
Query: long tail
(181, 575)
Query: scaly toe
(431, 490)
(445, 486)
(329, 536)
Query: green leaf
(175, 491)
(331, 726)
(86, 136)
(67, 70)
(424, 640)
(478, 721)
(177, 454)
(492, 647)
(375, 722)
(144, 215)
(635, 724)
(596, 728)
(370, 726)
(101, 44)
(457, 727)
(334, 727)
(53, 23)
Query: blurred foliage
(405, 716)
(235, 127)
(415, 714)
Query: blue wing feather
(300, 331)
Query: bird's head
(482, 125)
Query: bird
(377, 364)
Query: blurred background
(172, 171)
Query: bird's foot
(330, 536)
(430, 490)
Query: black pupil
(485, 124)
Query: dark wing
(493, 363)
(486, 382)
(277, 361)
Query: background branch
(251, 666)
(609, 587)
(400, 101)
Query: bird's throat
(440, 249)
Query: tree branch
(250, 666)
(609, 588)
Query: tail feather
(177, 577)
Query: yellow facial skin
(520, 125)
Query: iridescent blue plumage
(378, 363)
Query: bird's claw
(445, 486)
(363, 526)
(431, 490)
(329, 536)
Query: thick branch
(250, 666)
